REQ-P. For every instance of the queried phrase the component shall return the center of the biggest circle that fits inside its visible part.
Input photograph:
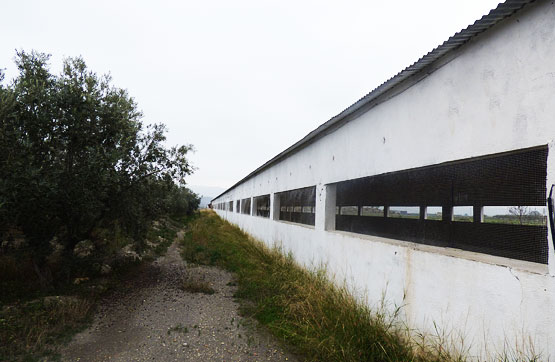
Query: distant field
(404, 216)
(513, 220)
(533, 220)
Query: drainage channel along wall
(431, 191)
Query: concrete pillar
(478, 214)
(447, 213)
(274, 206)
(325, 207)
(331, 203)
(549, 182)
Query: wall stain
(494, 103)
(488, 74)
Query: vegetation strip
(320, 320)
(84, 186)
(34, 322)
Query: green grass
(163, 233)
(320, 320)
(513, 220)
(404, 216)
(178, 329)
(463, 218)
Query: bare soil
(152, 318)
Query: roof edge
(486, 22)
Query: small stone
(83, 248)
(77, 281)
(105, 269)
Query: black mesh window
(230, 206)
(262, 204)
(298, 205)
(246, 206)
(444, 205)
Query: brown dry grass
(191, 284)
(33, 328)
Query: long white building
(431, 191)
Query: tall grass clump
(322, 321)
(30, 331)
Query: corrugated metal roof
(501, 12)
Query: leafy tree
(74, 155)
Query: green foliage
(75, 156)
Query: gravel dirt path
(153, 319)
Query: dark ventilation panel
(461, 189)
(262, 204)
(298, 205)
(246, 206)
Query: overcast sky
(240, 80)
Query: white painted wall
(497, 94)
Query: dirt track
(153, 319)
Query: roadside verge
(320, 320)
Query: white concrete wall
(497, 94)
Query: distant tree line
(75, 157)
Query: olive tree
(74, 155)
